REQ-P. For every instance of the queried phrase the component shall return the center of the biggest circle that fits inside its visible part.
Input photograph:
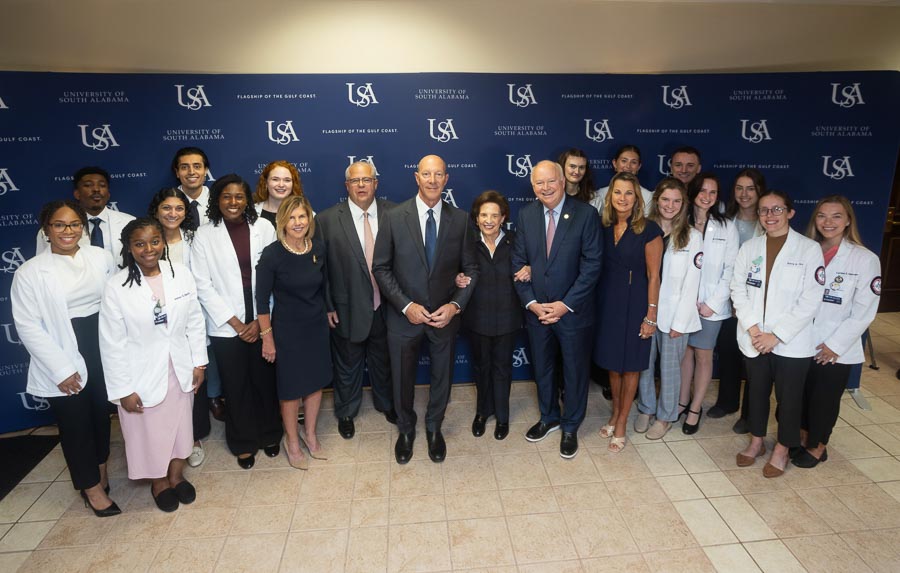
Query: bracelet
(651, 305)
(648, 321)
(265, 332)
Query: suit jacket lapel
(562, 227)
(412, 223)
(349, 228)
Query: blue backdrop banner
(811, 134)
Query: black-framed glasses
(59, 226)
(777, 210)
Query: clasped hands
(416, 314)
(763, 342)
(548, 312)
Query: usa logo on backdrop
(757, 133)
(368, 159)
(6, 182)
(2, 104)
(846, 95)
(521, 167)
(102, 137)
(196, 97)
(363, 96)
(36, 403)
(837, 168)
(522, 96)
(445, 130)
(11, 260)
(447, 196)
(597, 130)
(665, 165)
(284, 132)
(677, 97)
(12, 336)
(520, 358)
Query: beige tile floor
(676, 505)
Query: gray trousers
(670, 352)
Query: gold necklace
(305, 250)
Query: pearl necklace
(305, 250)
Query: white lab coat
(136, 351)
(850, 301)
(43, 323)
(112, 223)
(720, 247)
(218, 274)
(795, 293)
(678, 290)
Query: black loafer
(247, 462)
(717, 412)
(403, 449)
(272, 450)
(568, 445)
(806, 460)
(185, 492)
(501, 430)
(478, 425)
(346, 428)
(167, 500)
(539, 431)
(741, 427)
(437, 447)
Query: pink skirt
(161, 434)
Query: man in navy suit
(559, 237)
(422, 244)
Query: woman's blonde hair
(851, 231)
(638, 222)
(681, 230)
(282, 217)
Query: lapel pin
(566, 216)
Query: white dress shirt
(422, 208)
(356, 213)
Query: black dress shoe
(437, 447)
(185, 492)
(272, 450)
(217, 408)
(568, 445)
(607, 392)
(403, 449)
(717, 412)
(391, 416)
(501, 430)
(539, 431)
(806, 460)
(741, 427)
(795, 451)
(110, 511)
(167, 500)
(690, 429)
(247, 462)
(478, 425)
(346, 428)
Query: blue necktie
(430, 238)
(96, 232)
(195, 215)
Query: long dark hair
(128, 262)
(188, 225)
(586, 185)
(759, 181)
(694, 190)
(213, 211)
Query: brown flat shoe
(746, 461)
(771, 471)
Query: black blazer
(349, 287)
(494, 308)
(401, 269)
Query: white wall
(283, 36)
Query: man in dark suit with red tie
(559, 237)
(355, 309)
(421, 246)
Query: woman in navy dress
(295, 335)
(628, 295)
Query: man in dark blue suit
(559, 237)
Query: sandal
(607, 431)
(616, 445)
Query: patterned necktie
(96, 232)
(430, 238)
(551, 231)
(369, 240)
(195, 214)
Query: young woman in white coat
(849, 305)
(223, 259)
(776, 290)
(55, 300)
(677, 313)
(720, 247)
(153, 342)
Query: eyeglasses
(363, 180)
(778, 210)
(59, 226)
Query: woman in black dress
(628, 296)
(295, 336)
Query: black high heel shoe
(110, 511)
(690, 429)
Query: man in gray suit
(422, 244)
(355, 309)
